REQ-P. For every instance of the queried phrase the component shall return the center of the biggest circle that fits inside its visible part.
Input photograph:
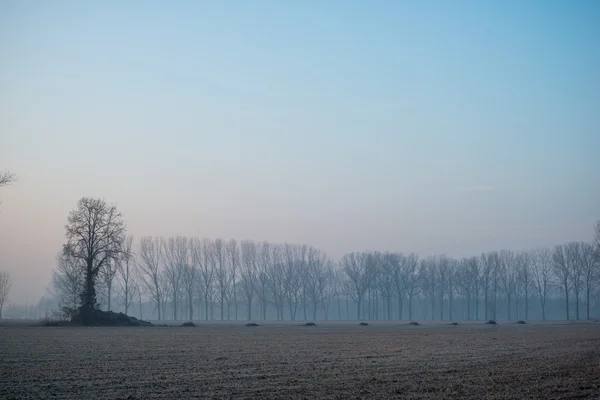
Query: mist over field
(341, 199)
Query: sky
(435, 127)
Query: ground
(285, 360)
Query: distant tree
(429, 274)
(590, 274)
(6, 178)
(95, 232)
(356, 267)
(265, 253)
(222, 272)
(562, 271)
(127, 274)
(207, 274)
(508, 276)
(597, 242)
(525, 278)
(109, 272)
(175, 255)
(149, 264)
(68, 281)
(541, 262)
(248, 273)
(411, 279)
(233, 254)
(5, 286)
(190, 274)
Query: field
(283, 360)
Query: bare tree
(150, 267)
(95, 232)
(411, 280)
(318, 276)
(190, 274)
(562, 271)
(108, 273)
(221, 273)
(249, 273)
(207, 273)
(525, 278)
(508, 276)
(234, 262)
(6, 178)
(68, 281)
(5, 285)
(574, 252)
(491, 275)
(387, 282)
(541, 261)
(590, 273)
(127, 273)
(597, 242)
(262, 277)
(292, 265)
(355, 265)
(276, 279)
(429, 279)
(175, 251)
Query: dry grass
(332, 361)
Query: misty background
(406, 127)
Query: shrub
(252, 324)
(363, 324)
(454, 323)
(521, 322)
(491, 322)
(414, 323)
(310, 324)
(189, 324)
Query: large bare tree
(95, 232)
(5, 285)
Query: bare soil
(283, 360)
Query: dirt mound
(252, 324)
(521, 322)
(189, 324)
(363, 324)
(454, 323)
(310, 324)
(415, 323)
(109, 318)
(491, 322)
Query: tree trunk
(567, 303)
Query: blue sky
(430, 126)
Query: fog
(401, 133)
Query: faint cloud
(479, 189)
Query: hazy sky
(437, 127)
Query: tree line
(215, 279)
